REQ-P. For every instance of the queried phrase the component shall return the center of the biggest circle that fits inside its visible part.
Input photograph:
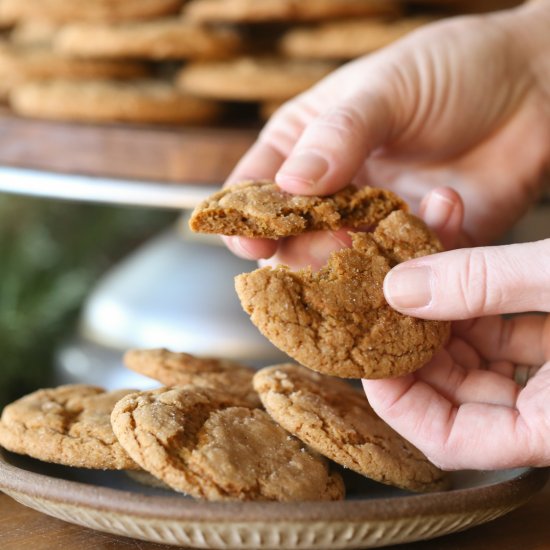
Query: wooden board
(147, 153)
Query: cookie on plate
(336, 420)
(252, 79)
(28, 63)
(263, 209)
(207, 444)
(160, 39)
(346, 39)
(183, 369)
(249, 11)
(64, 11)
(68, 425)
(140, 101)
(337, 321)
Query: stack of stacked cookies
(182, 61)
(220, 430)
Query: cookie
(28, 63)
(34, 33)
(68, 425)
(263, 209)
(206, 444)
(157, 39)
(143, 101)
(337, 321)
(337, 421)
(252, 79)
(182, 369)
(63, 11)
(346, 39)
(249, 11)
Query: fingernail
(437, 211)
(305, 168)
(408, 287)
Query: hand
(463, 103)
(468, 408)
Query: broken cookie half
(336, 321)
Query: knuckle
(343, 124)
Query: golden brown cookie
(337, 321)
(182, 369)
(64, 11)
(157, 39)
(248, 11)
(141, 101)
(252, 79)
(206, 444)
(28, 63)
(336, 420)
(346, 39)
(263, 209)
(34, 33)
(68, 425)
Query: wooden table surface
(527, 528)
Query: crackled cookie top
(337, 321)
(183, 369)
(262, 209)
(67, 425)
(336, 420)
(202, 442)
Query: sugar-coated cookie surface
(262, 209)
(337, 321)
(68, 425)
(206, 444)
(336, 420)
(183, 369)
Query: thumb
(469, 283)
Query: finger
(251, 249)
(334, 145)
(443, 211)
(459, 385)
(310, 249)
(261, 161)
(522, 339)
(472, 435)
(470, 283)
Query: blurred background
(170, 93)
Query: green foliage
(51, 253)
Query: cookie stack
(218, 430)
(183, 61)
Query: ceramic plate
(373, 515)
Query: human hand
(464, 103)
(467, 408)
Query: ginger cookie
(207, 444)
(140, 101)
(337, 421)
(252, 79)
(68, 425)
(65, 11)
(337, 321)
(34, 33)
(182, 369)
(263, 209)
(253, 11)
(157, 39)
(346, 39)
(29, 63)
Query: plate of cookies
(223, 455)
